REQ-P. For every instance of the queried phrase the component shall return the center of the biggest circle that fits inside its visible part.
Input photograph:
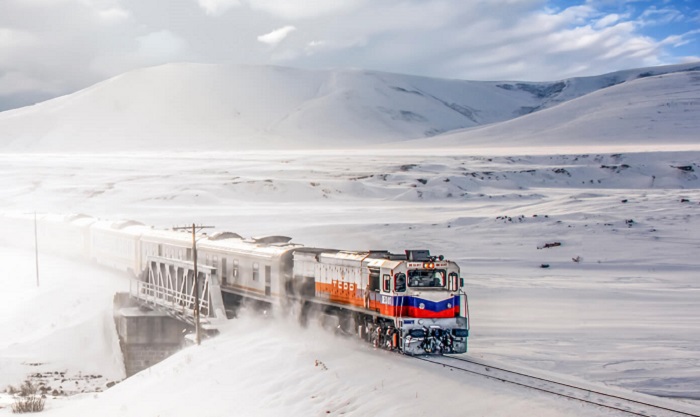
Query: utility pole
(36, 251)
(195, 228)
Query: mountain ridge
(656, 110)
(203, 106)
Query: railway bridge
(169, 285)
(166, 302)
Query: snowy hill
(654, 111)
(195, 107)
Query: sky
(54, 47)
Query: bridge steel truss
(168, 284)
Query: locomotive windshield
(429, 278)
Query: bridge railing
(168, 298)
(169, 284)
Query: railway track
(564, 389)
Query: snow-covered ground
(607, 167)
(626, 315)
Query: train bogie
(421, 336)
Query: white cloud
(304, 9)
(113, 14)
(12, 38)
(17, 82)
(679, 40)
(656, 16)
(607, 20)
(276, 36)
(286, 9)
(159, 47)
(217, 7)
(90, 40)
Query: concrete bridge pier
(146, 337)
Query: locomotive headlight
(428, 265)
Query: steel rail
(487, 368)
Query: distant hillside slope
(210, 107)
(656, 110)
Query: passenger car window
(256, 271)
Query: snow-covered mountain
(656, 111)
(210, 107)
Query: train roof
(259, 246)
(81, 219)
(383, 263)
(129, 227)
(226, 241)
(272, 240)
(179, 237)
(224, 235)
(364, 255)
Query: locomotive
(412, 302)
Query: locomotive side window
(387, 283)
(235, 269)
(373, 279)
(428, 278)
(256, 271)
(454, 281)
(400, 282)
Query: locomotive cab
(413, 301)
(424, 294)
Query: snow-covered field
(580, 255)
(625, 315)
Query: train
(412, 302)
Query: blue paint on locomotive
(416, 302)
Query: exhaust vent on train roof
(420, 255)
(272, 240)
(385, 254)
(118, 225)
(225, 235)
(77, 216)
